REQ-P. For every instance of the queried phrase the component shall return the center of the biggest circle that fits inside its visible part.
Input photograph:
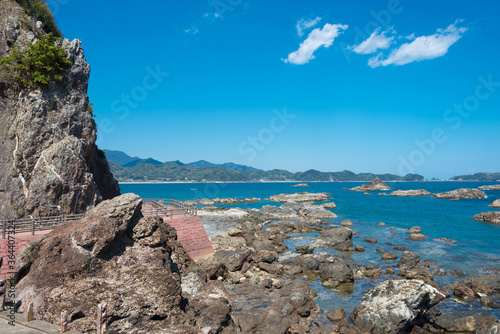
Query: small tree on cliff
(37, 65)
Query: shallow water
(476, 248)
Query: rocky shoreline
(262, 278)
(256, 254)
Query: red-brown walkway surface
(190, 233)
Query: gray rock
(461, 193)
(409, 260)
(329, 205)
(300, 185)
(346, 223)
(389, 256)
(316, 212)
(470, 321)
(495, 204)
(491, 187)
(414, 229)
(274, 212)
(233, 260)
(410, 193)
(341, 269)
(338, 238)
(375, 185)
(304, 248)
(336, 314)
(393, 306)
(300, 197)
(489, 217)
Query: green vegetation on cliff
(40, 63)
(38, 10)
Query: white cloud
(421, 48)
(316, 39)
(306, 24)
(193, 30)
(375, 42)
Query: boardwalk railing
(168, 207)
(35, 224)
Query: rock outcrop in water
(49, 163)
(461, 193)
(489, 217)
(491, 187)
(375, 185)
(410, 193)
(495, 204)
(300, 197)
(132, 263)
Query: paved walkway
(23, 327)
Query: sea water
(476, 248)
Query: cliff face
(49, 163)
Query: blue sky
(370, 86)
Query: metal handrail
(36, 224)
(159, 204)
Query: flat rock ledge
(461, 193)
(300, 197)
(489, 217)
(410, 193)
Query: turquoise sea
(476, 250)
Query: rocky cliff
(49, 163)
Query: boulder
(371, 240)
(300, 185)
(470, 321)
(394, 306)
(414, 229)
(464, 293)
(316, 212)
(300, 197)
(346, 223)
(109, 256)
(410, 193)
(338, 238)
(416, 236)
(336, 314)
(304, 248)
(233, 260)
(489, 217)
(495, 204)
(375, 185)
(329, 205)
(461, 193)
(389, 256)
(341, 269)
(408, 260)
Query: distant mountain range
(127, 168)
(478, 177)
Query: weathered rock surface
(329, 205)
(316, 212)
(338, 238)
(49, 163)
(495, 204)
(473, 321)
(410, 193)
(490, 187)
(393, 306)
(341, 269)
(134, 264)
(461, 193)
(375, 185)
(300, 197)
(489, 217)
(274, 212)
(300, 185)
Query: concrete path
(23, 327)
